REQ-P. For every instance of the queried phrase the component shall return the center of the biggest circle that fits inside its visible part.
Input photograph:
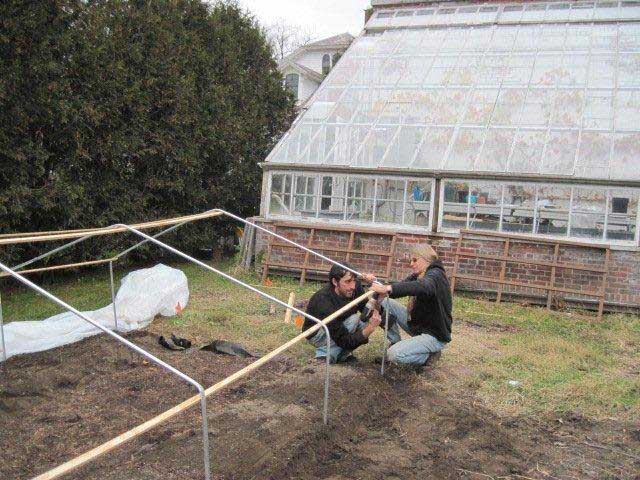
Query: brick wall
(622, 287)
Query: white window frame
(374, 199)
(571, 210)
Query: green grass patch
(563, 361)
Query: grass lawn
(562, 361)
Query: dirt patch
(58, 404)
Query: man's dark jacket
(432, 310)
(325, 302)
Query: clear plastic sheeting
(160, 290)
(554, 99)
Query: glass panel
(536, 110)
(404, 147)
(451, 105)
(626, 152)
(280, 196)
(484, 200)
(587, 214)
(389, 200)
(360, 193)
(629, 37)
(598, 112)
(623, 210)
(546, 70)
(558, 12)
(480, 108)
(465, 149)
(508, 107)
(495, 151)
(573, 70)
(455, 206)
(527, 151)
(627, 112)
(552, 38)
(568, 108)
(604, 38)
(441, 71)
(332, 197)
(418, 203)
(552, 210)
(602, 71)
(304, 197)
(559, 157)
(578, 38)
(375, 147)
(517, 212)
(518, 70)
(433, 149)
(594, 155)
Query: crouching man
(350, 330)
(427, 317)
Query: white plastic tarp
(143, 294)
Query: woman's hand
(381, 290)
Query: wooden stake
(287, 314)
(164, 417)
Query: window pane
(326, 64)
(389, 201)
(418, 203)
(517, 212)
(360, 199)
(291, 82)
(587, 215)
(304, 197)
(280, 198)
(484, 200)
(454, 210)
(332, 197)
(552, 210)
(623, 211)
(527, 151)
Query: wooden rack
(348, 250)
(505, 258)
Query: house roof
(341, 40)
(288, 62)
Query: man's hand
(368, 277)
(372, 324)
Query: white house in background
(305, 69)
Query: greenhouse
(518, 118)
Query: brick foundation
(622, 287)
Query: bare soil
(58, 404)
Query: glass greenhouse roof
(537, 95)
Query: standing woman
(427, 317)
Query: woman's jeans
(412, 351)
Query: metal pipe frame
(135, 348)
(271, 298)
(4, 346)
(148, 238)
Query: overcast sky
(323, 18)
